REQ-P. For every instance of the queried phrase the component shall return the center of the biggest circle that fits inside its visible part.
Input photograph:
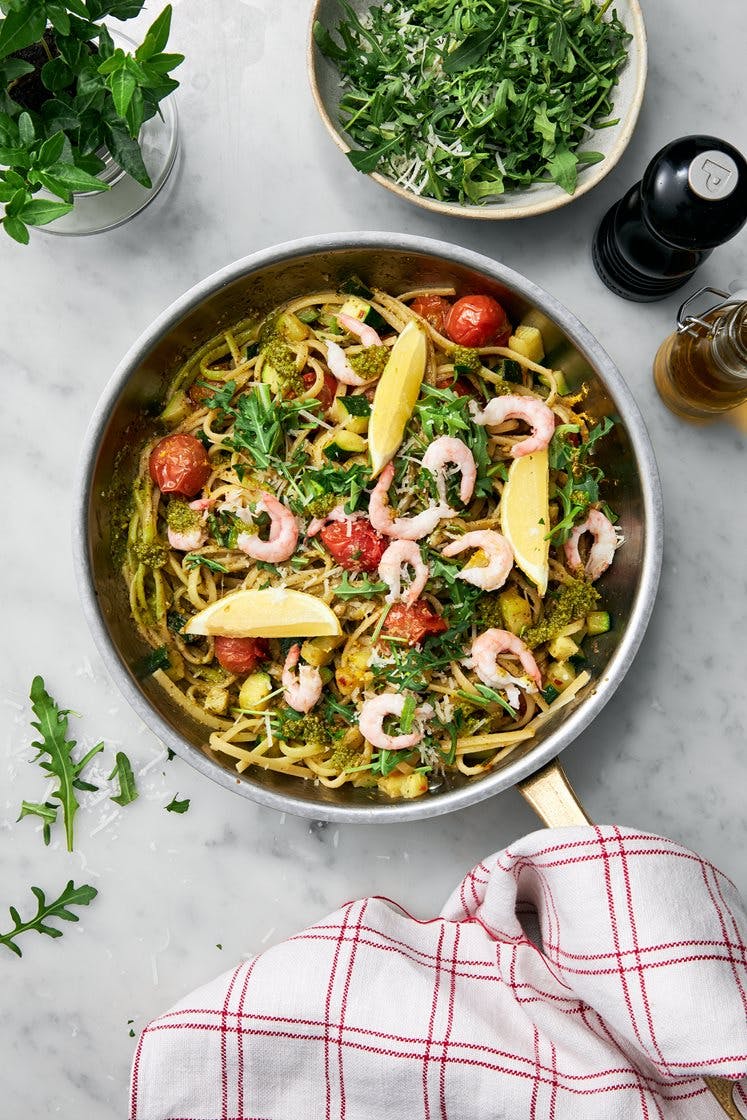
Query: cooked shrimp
(337, 514)
(367, 335)
(371, 722)
(283, 533)
(488, 646)
(513, 407)
(602, 550)
(450, 450)
(399, 553)
(340, 367)
(300, 690)
(498, 551)
(195, 537)
(402, 528)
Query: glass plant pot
(98, 211)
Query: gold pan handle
(553, 799)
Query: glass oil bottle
(700, 371)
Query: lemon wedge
(525, 516)
(271, 613)
(396, 394)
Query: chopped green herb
(176, 806)
(124, 775)
(192, 560)
(156, 659)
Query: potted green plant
(71, 102)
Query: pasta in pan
(405, 470)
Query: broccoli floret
(369, 363)
(345, 758)
(466, 360)
(575, 599)
(488, 611)
(309, 729)
(180, 517)
(278, 354)
(320, 507)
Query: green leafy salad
(463, 100)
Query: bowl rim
(595, 174)
(645, 594)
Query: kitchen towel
(580, 973)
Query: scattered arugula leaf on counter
(45, 911)
(47, 812)
(52, 725)
(124, 775)
(176, 806)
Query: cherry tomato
(413, 623)
(179, 464)
(241, 655)
(355, 545)
(327, 392)
(461, 387)
(434, 309)
(478, 321)
(198, 394)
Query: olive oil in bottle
(700, 371)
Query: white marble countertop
(668, 753)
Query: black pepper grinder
(692, 197)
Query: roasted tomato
(434, 309)
(413, 623)
(478, 321)
(241, 655)
(355, 545)
(461, 387)
(179, 464)
(199, 394)
(327, 392)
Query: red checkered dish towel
(639, 989)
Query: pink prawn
(513, 407)
(301, 689)
(602, 550)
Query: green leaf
(192, 560)
(56, 75)
(326, 43)
(74, 179)
(175, 806)
(126, 152)
(47, 812)
(45, 911)
(42, 211)
(12, 68)
(59, 116)
(58, 17)
(126, 778)
(106, 43)
(113, 63)
(558, 42)
(158, 32)
(22, 28)
(122, 85)
(15, 157)
(562, 168)
(156, 659)
(470, 51)
(17, 202)
(26, 129)
(50, 151)
(368, 161)
(78, 7)
(135, 113)
(162, 64)
(52, 725)
(15, 228)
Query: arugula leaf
(156, 659)
(364, 587)
(192, 560)
(52, 725)
(59, 908)
(47, 812)
(127, 786)
(176, 806)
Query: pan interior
(130, 421)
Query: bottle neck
(729, 341)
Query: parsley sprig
(516, 86)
